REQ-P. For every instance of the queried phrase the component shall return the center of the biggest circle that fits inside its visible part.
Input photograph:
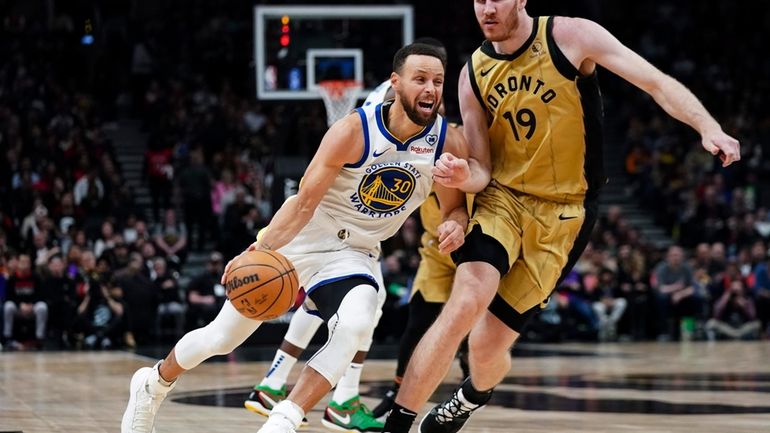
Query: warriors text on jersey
(545, 131)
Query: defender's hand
(720, 144)
(451, 236)
(451, 171)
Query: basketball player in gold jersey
(532, 113)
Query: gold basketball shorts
(541, 238)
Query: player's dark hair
(416, 49)
(430, 41)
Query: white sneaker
(285, 417)
(277, 424)
(146, 395)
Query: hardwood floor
(649, 387)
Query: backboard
(297, 46)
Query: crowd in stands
(81, 265)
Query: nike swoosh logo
(562, 217)
(375, 154)
(484, 73)
(343, 419)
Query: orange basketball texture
(262, 284)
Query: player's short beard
(412, 113)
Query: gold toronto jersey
(545, 118)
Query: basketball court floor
(647, 387)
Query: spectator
(205, 293)
(171, 238)
(609, 305)
(88, 275)
(141, 299)
(634, 284)
(101, 317)
(24, 300)
(734, 315)
(34, 222)
(129, 229)
(60, 294)
(89, 188)
(147, 249)
(107, 239)
(232, 240)
(141, 232)
(718, 262)
(195, 185)
(578, 320)
(42, 248)
(169, 301)
(222, 194)
(675, 292)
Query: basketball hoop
(339, 97)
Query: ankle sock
(399, 420)
(473, 395)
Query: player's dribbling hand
(451, 171)
(251, 247)
(720, 144)
(451, 236)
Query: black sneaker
(449, 416)
(386, 404)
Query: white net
(339, 97)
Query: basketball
(262, 284)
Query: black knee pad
(479, 247)
(328, 297)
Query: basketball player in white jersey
(371, 171)
(303, 326)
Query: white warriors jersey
(372, 198)
(367, 202)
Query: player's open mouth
(426, 107)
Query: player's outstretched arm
(595, 43)
(342, 144)
(471, 174)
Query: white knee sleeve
(348, 329)
(302, 328)
(226, 332)
(381, 296)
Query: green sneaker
(351, 416)
(263, 399)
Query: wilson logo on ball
(237, 282)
